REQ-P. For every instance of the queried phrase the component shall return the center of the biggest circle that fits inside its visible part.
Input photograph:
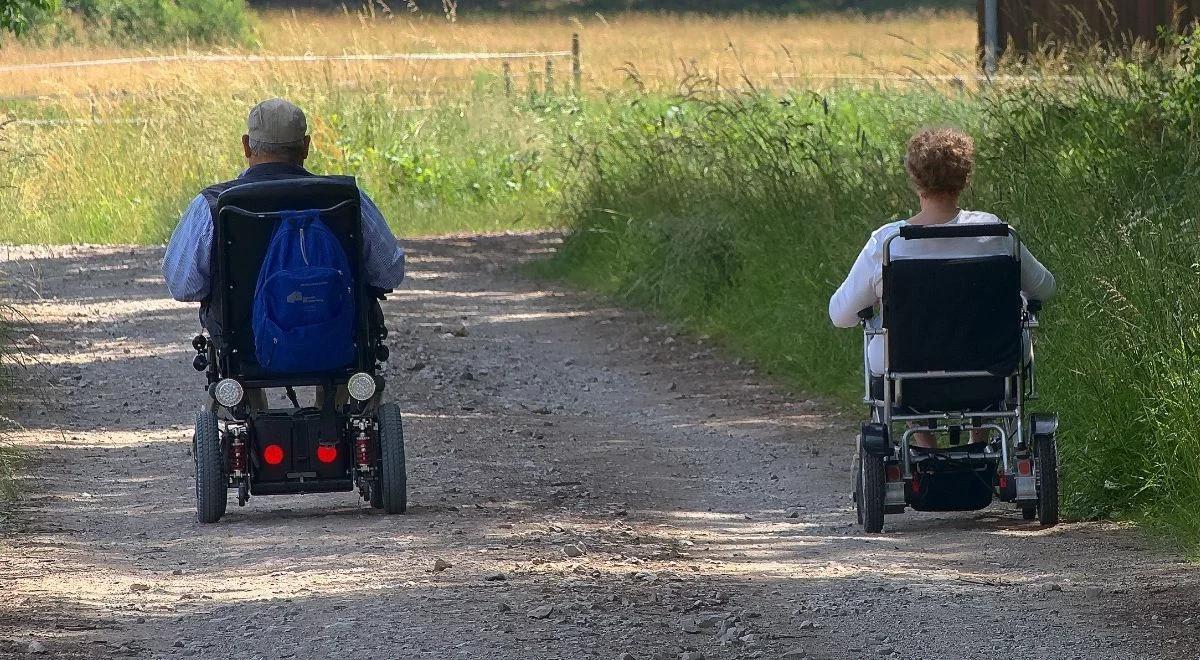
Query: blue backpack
(303, 313)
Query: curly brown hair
(939, 161)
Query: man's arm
(185, 266)
(383, 258)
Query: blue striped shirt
(188, 273)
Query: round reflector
(273, 454)
(327, 453)
(361, 386)
(228, 392)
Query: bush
(147, 22)
(743, 215)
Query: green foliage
(146, 22)
(18, 16)
(742, 215)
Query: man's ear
(246, 146)
(307, 144)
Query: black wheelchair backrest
(953, 314)
(247, 216)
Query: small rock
(885, 650)
(691, 655)
(503, 607)
(33, 340)
(138, 586)
(178, 644)
(495, 577)
(690, 627)
(807, 624)
(542, 612)
(573, 550)
(1053, 586)
(37, 647)
(795, 654)
(440, 565)
(626, 656)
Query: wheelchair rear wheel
(393, 480)
(870, 491)
(1046, 449)
(211, 481)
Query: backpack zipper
(303, 254)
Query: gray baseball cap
(276, 121)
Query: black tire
(212, 491)
(872, 477)
(1046, 455)
(393, 480)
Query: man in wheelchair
(948, 358)
(288, 268)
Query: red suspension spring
(362, 449)
(237, 460)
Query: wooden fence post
(507, 68)
(548, 83)
(576, 64)
(531, 83)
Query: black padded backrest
(953, 314)
(247, 216)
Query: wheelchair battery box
(298, 450)
(967, 488)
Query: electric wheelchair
(957, 364)
(351, 438)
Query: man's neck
(251, 162)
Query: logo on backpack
(303, 313)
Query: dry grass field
(661, 49)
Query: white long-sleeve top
(864, 285)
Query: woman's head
(939, 161)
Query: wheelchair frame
(1020, 477)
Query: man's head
(276, 132)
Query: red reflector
(273, 454)
(326, 453)
(893, 473)
(1023, 467)
(1004, 481)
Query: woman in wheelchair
(943, 281)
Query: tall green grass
(741, 216)
(476, 163)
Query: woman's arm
(1037, 283)
(858, 291)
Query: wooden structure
(1025, 26)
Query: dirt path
(711, 504)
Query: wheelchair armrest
(866, 314)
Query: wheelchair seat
(246, 218)
(951, 316)
(946, 394)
